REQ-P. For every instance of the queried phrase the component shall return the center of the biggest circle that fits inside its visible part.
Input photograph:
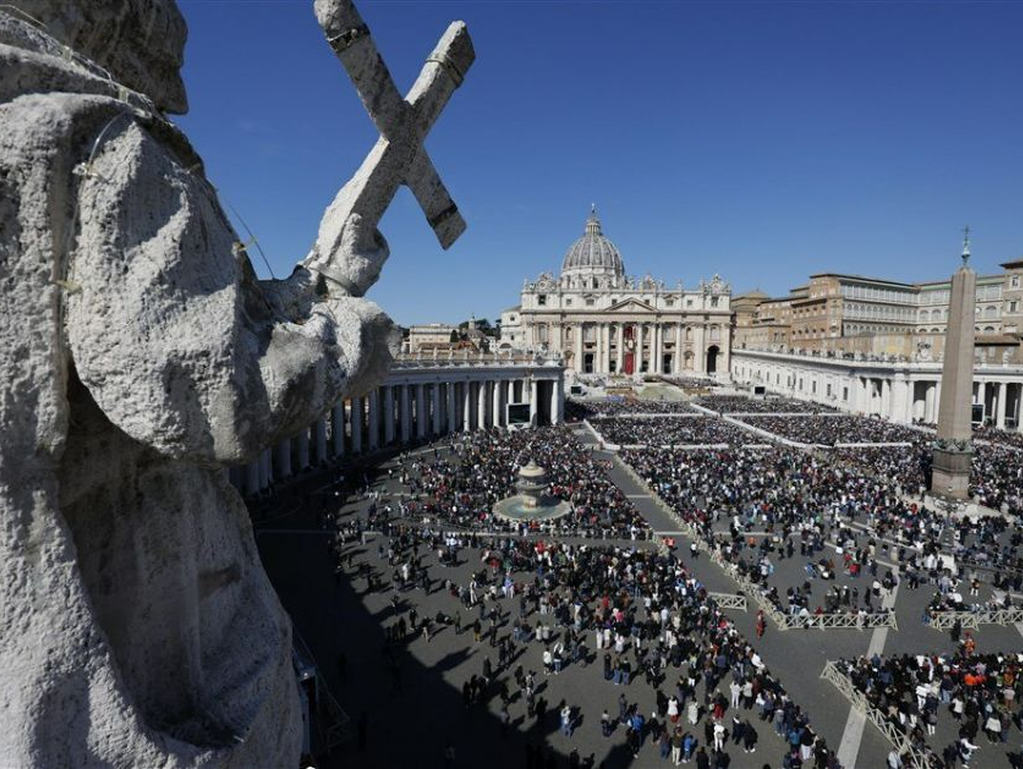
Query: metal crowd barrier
(729, 600)
(918, 759)
(946, 620)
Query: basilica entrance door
(629, 362)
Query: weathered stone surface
(140, 355)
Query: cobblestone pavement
(413, 708)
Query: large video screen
(518, 413)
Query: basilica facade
(602, 321)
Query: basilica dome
(593, 254)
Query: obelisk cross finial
(966, 244)
(399, 156)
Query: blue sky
(761, 141)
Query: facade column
(496, 404)
(678, 348)
(303, 448)
(658, 348)
(283, 457)
(638, 364)
(699, 352)
(356, 425)
(452, 410)
(436, 408)
(534, 387)
(937, 400)
(421, 415)
(320, 444)
(556, 402)
(620, 352)
(1003, 392)
(579, 347)
(406, 415)
(481, 405)
(467, 406)
(337, 428)
(373, 419)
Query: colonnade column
(337, 427)
(266, 475)
(356, 425)
(1003, 392)
(467, 406)
(283, 454)
(421, 415)
(436, 408)
(452, 411)
(534, 390)
(388, 394)
(373, 419)
(406, 416)
(481, 405)
(252, 472)
(496, 405)
(303, 448)
(320, 440)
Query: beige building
(603, 322)
(429, 337)
(838, 314)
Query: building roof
(864, 278)
(593, 253)
(1013, 265)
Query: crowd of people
(577, 410)
(996, 476)
(810, 504)
(828, 430)
(1013, 438)
(980, 692)
(681, 681)
(461, 479)
(696, 430)
(741, 404)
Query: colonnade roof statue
(141, 354)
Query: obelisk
(953, 450)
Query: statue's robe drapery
(140, 355)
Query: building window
(689, 302)
(1013, 305)
(589, 302)
(568, 301)
(713, 301)
(1014, 282)
(541, 299)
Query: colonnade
(418, 401)
(901, 391)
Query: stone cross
(398, 156)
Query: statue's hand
(349, 257)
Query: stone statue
(140, 356)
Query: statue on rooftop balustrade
(141, 356)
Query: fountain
(531, 503)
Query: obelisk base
(950, 472)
